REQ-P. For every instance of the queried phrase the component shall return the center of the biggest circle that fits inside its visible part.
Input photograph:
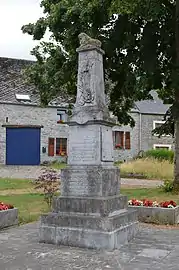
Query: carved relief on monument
(85, 93)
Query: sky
(14, 14)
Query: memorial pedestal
(90, 211)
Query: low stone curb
(8, 218)
(157, 215)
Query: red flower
(5, 206)
(173, 203)
(164, 204)
(149, 203)
(167, 203)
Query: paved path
(140, 183)
(152, 249)
(20, 172)
(32, 172)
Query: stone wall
(141, 136)
(148, 140)
(31, 115)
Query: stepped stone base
(100, 223)
(79, 237)
(92, 206)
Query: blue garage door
(22, 146)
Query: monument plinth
(90, 211)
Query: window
(61, 116)
(157, 124)
(51, 147)
(61, 146)
(57, 147)
(162, 146)
(22, 97)
(121, 140)
(118, 139)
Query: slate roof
(154, 106)
(12, 82)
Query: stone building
(148, 114)
(30, 134)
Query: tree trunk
(176, 161)
(176, 116)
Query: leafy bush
(167, 186)
(48, 182)
(160, 154)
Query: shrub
(160, 154)
(49, 183)
(167, 186)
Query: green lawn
(31, 204)
(7, 183)
(58, 166)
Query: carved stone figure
(85, 40)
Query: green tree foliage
(130, 39)
(141, 41)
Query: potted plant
(8, 215)
(166, 212)
(118, 146)
(60, 122)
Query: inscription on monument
(79, 184)
(84, 150)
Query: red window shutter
(122, 138)
(51, 147)
(127, 141)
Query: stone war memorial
(90, 212)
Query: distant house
(148, 115)
(29, 134)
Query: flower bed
(8, 215)
(154, 212)
(149, 203)
(4, 206)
